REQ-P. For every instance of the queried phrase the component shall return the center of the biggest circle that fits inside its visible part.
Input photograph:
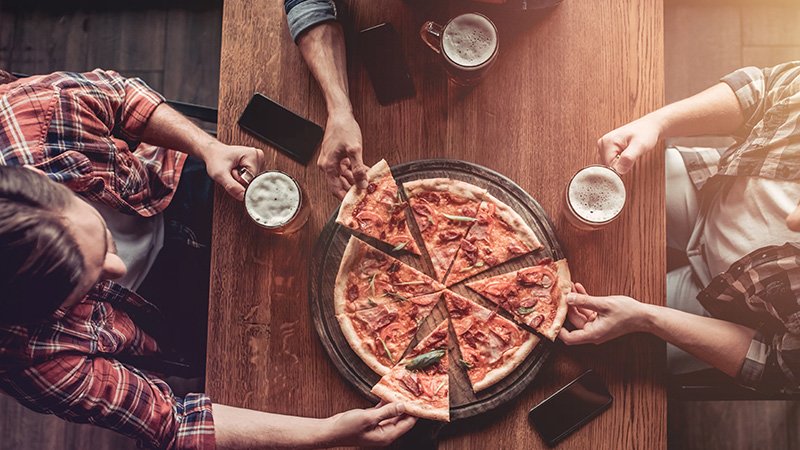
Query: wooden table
(562, 80)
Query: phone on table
(570, 408)
(383, 57)
(295, 136)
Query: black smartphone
(570, 408)
(293, 135)
(385, 63)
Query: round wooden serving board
(328, 254)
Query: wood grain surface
(327, 256)
(564, 77)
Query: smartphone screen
(293, 135)
(570, 408)
(383, 57)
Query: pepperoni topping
(468, 246)
(411, 384)
(371, 188)
(430, 197)
(422, 209)
(516, 249)
(367, 219)
(424, 300)
(449, 235)
(535, 276)
(352, 292)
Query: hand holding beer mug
(594, 197)
(468, 45)
(275, 201)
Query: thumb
(233, 187)
(793, 219)
(377, 415)
(357, 166)
(628, 157)
(587, 302)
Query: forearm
(171, 129)
(715, 111)
(722, 344)
(323, 49)
(237, 428)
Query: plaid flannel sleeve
(107, 393)
(126, 105)
(758, 90)
(304, 14)
(772, 362)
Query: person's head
(53, 247)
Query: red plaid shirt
(83, 130)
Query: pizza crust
(359, 346)
(413, 407)
(521, 229)
(352, 254)
(460, 188)
(564, 287)
(512, 363)
(354, 194)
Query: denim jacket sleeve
(304, 14)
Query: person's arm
(722, 344)
(715, 111)
(238, 428)
(321, 42)
(170, 129)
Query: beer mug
(594, 197)
(468, 45)
(274, 201)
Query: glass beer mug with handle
(468, 45)
(274, 201)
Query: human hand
(620, 148)
(340, 155)
(223, 163)
(378, 426)
(601, 319)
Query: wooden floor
(176, 50)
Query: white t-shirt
(749, 213)
(139, 240)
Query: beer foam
(272, 199)
(597, 194)
(469, 40)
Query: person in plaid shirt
(71, 143)
(735, 214)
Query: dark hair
(40, 262)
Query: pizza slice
(368, 278)
(536, 296)
(491, 346)
(498, 235)
(444, 210)
(378, 211)
(421, 379)
(381, 335)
